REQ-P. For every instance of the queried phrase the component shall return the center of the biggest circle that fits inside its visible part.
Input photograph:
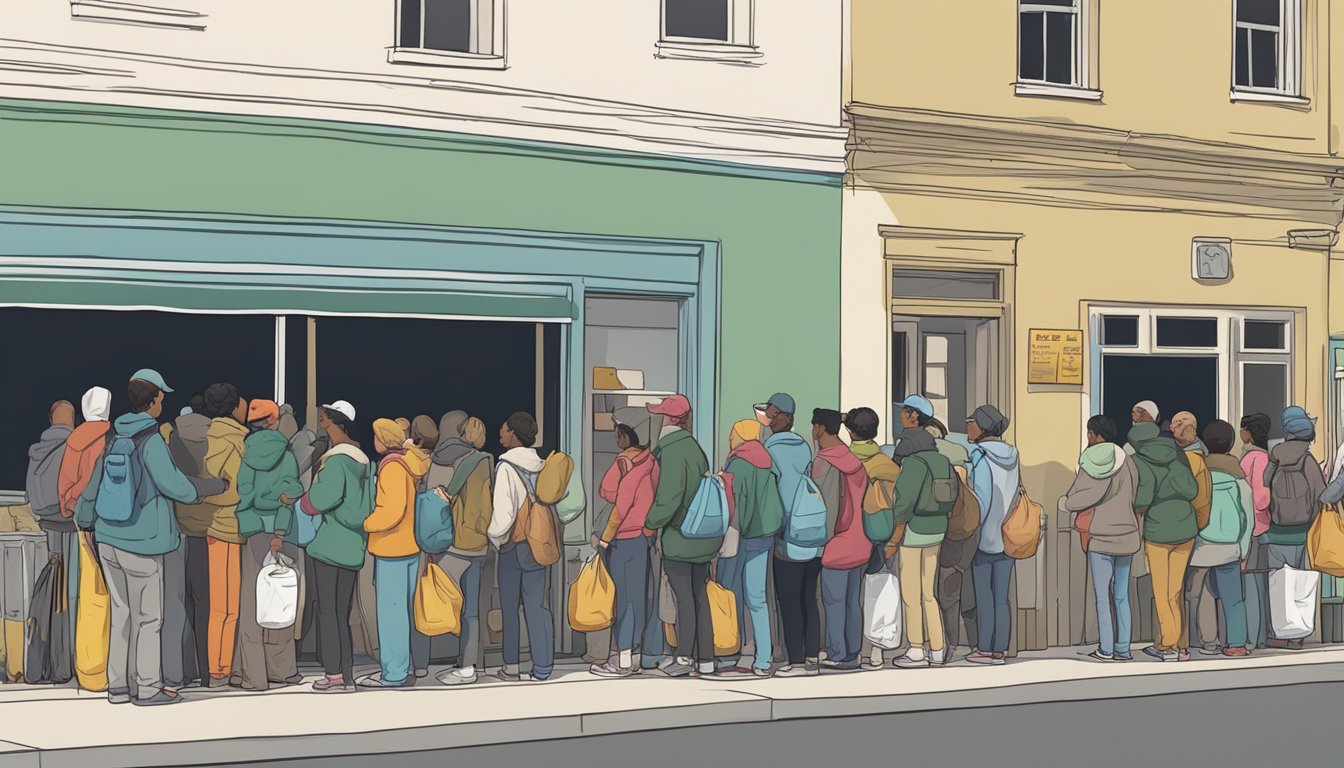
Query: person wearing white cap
(1143, 412)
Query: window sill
(705, 51)
(430, 58)
(1050, 90)
(1269, 97)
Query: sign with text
(1055, 357)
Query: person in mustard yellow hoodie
(227, 411)
(396, 556)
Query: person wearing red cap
(681, 464)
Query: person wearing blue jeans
(627, 561)
(469, 640)
(528, 588)
(394, 585)
(652, 647)
(843, 613)
(991, 574)
(1110, 584)
(745, 575)
(996, 479)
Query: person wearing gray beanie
(995, 478)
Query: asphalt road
(1288, 725)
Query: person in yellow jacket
(1201, 611)
(396, 556)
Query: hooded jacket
(82, 450)
(1227, 536)
(342, 494)
(1195, 454)
(681, 465)
(511, 490)
(913, 440)
(922, 530)
(217, 516)
(391, 526)
(628, 485)
(188, 447)
(268, 470)
(996, 477)
(790, 462)
(1292, 455)
(849, 546)
(449, 450)
(43, 478)
(1108, 484)
(1253, 464)
(760, 513)
(1170, 518)
(151, 530)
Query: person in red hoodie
(842, 480)
(629, 486)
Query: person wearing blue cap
(914, 414)
(1296, 485)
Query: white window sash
(1078, 75)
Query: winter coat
(681, 465)
(1108, 484)
(189, 445)
(223, 459)
(473, 503)
(1170, 518)
(391, 525)
(628, 485)
(82, 450)
(43, 477)
(790, 462)
(922, 530)
(268, 470)
(848, 546)
(1253, 464)
(760, 513)
(342, 494)
(1289, 455)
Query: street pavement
(1050, 708)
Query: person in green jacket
(760, 514)
(269, 471)
(342, 493)
(1167, 488)
(681, 465)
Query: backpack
(965, 516)
(433, 523)
(806, 524)
(879, 519)
(537, 523)
(1226, 518)
(1022, 527)
(41, 487)
(937, 494)
(123, 487)
(707, 516)
(552, 484)
(468, 534)
(47, 653)
(1291, 502)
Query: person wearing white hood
(83, 448)
(995, 478)
(1108, 483)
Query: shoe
(291, 680)
(1183, 655)
(1125, 657)
(938, 658)
(421, 673)
(735, 671)
(118, 697)
(454, 677)
(187, 686)
(217, 682)
(1278, 644)
(1210, 650)
(610, 669)
(841, 666)
(330, 684)
(1296, 645)
(791, 670)
(1099, 656)
(508, 677)
(677, 669)
(905, 662)
(1153, 651)
(812, 668)
(157, 700)
(533, 677)
(760, 673)
(1236, 653)
(980, 657)
(376, 681)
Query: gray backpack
(1291, 500)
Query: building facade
(1065, 211)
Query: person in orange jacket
(396, 556)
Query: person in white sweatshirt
(521, 581)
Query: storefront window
(1120, 331)
(1187, 332)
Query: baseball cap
(263, 410)
(342, 407)
(919, 404)
(153, 377)
(782, 401)
(675, 406)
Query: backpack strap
(529, 479)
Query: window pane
(703, 19)
(1187, 332)
(1062, 3)
(1264, 389)
(937, 284)
(409, 26)
(1263, 334)
(1258, 11)
(1243, 57)
(448, 25)
(1120, 331)
(1031, 46)
(1059, 48)
(1264, 59)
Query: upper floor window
(449, 33)
(1267, 46)
(697, 19)
(709, 30)
(1053, 49)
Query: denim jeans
(628, 562)
(1255, 591)
(1226, 589)
(525, 590)
(844, 612)
(746, 574)
(469, 641)
(652, 646)
(991, 574)
(1110, 585)
(394, 586)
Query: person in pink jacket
(1255, 578)
(842, 480)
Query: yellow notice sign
(1055, 357)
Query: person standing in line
(954, 557)
(1222, 544)
(396, 556)
(1203, 626)
(843, 482)
(82, 450)
(342, 493)
(135, 530)
(265, 657)
(925, 515)
(1255, 580)
(1296, 488)
(522, 583)
(186, 598)
(862, 425)
(43, 486)
(460, 473)
(1109, 483)
(681, 465)
(996, 478)
(1144, 412)
(1169, 530)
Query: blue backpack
(305, 526)
(121, 488)
(707, 517)
(433, 523)
(806, 524)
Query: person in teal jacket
(681, 464)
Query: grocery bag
(1292, 602)
(93, 623)
(1325, 542)
(438, 603)
(882, 610)
(277, 593)
(723, 616)
(592, 597)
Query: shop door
(950, 360)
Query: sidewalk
(50, 727)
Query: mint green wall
(780, 232)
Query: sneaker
(1099, 656)
(980, 657)
(376, 681)
(677, 669)
(508, 677)
(938, 658)
(157, 700)
(422, 673)
(761, 673)
(792, 670)
(330, 684)
(812, 667)
(841, 666)
(610, 668)
(1124, 657)
(235, 681)
(1184, 655)
(455, 677)
(1210, 650)
(217, 682)
(118, 697)
(1153, 651)
(1237, 652)
(291, 680)
(905, 662)
(735, 671)
(1278, 644)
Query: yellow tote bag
(438, 603)
(1325, 542)
(592, 598)
(93, 623)
(723, 615)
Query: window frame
(739, 48)
(487, 28)
(1081, 85)
(1289, 57)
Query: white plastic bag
(1292, 602)
(882, 610)
(277, 593)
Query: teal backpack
(707, 517)
(122, 486)
(433, 523)
(1226, 518)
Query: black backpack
(47, 654)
